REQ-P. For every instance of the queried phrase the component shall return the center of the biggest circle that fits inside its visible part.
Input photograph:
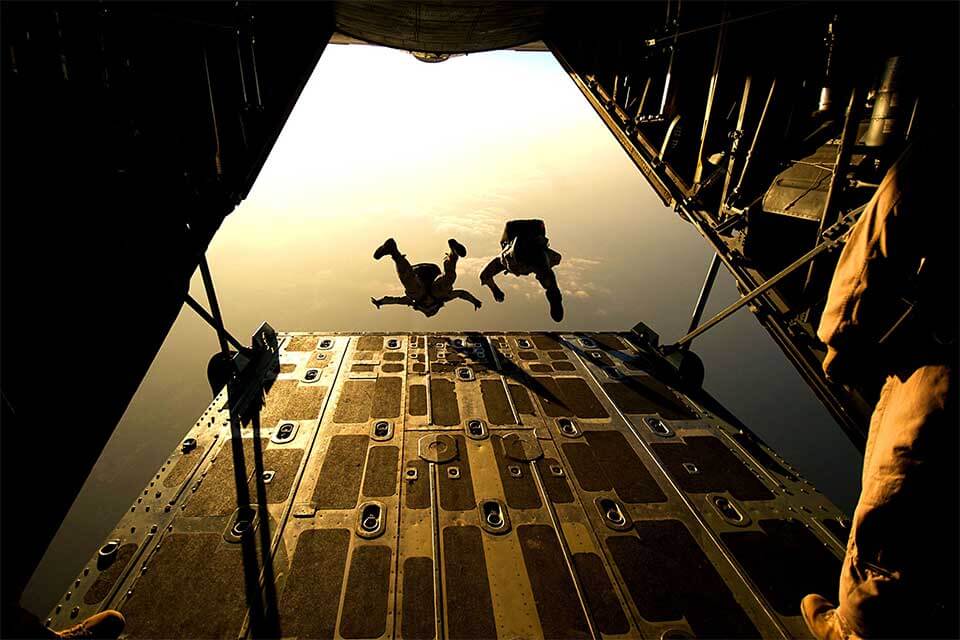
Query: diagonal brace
(833, 237)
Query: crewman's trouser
(900, 572)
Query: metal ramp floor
(467, 486)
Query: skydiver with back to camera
(426, 287)
(525, 250)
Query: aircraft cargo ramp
(470, 485)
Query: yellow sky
(383, 145)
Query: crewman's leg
(899, 575)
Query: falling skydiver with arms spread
(427, 289)
(525, 250)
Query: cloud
(578, 263)
(574, 275)
(576, 278)
(487, 221)
(471, 267)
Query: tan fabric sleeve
(880, 255)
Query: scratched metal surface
(467, 485)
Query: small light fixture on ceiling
(426, 56)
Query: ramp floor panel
(108, 577)
(601, 595)
(553, 588)
(217, 494)
(469, 607)
(368, 588)
(194, 589)
(339, 481)
(786, 561)
(468, 486)
(670, 578)
(715, 468)
(314, 584)
(419, 622)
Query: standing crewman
(900, 573)
(525, 250)
(426, 288)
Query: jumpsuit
(899, 575)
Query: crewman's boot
(556, 304)
(387, 248)
(457, 248)
(823, 620)
(106, 625)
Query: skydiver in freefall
(525, 250)
(427, 289)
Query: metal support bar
(711, 93)
(652, 42)
(829, 242)
(667, 136)
(666, 80)
(673, 52)
(253, 67)
(643, 99)
(908, 312)
(756, 139)
(735, 135)
(196, 306)
(729, 222)
(847, 140)
(704, 295)
(214, 306)
(217, 159)
(851, 421)
(243, 79)
(902, 318)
